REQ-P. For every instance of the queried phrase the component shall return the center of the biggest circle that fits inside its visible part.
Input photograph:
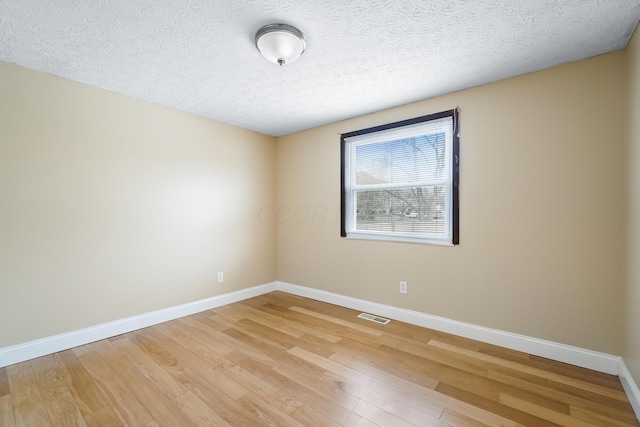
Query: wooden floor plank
(105, 417)
(345, 323)
(161, 408)
(263, 389)
(418, 413)
(379, 376)
(166, 352)
(85, 391)
(192, 339)
(597, 418)
(4, 382)
(310, 417)
(363, 422)
(425, 397)
(199, 412)
(423, 350)
(226, 407)
(379, 416)
(285, 360)
(6, 412)
(273, 322)
(297, 319)
(600, 378)
(331, 403)
(204, 364)
(125, 404)
(544, 413)
(202, 334)
(393, 365)
(509, 412)
(421, 369)
(207, 327)
(266, 414)
(154, 368)
(60, 403)
(456, 419)
(585, 385)
(575, 402)
(330, 365)
(29, 408)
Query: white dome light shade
(280, 43)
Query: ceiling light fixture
(280, 43)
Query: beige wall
(631, 296)
(542, 228)
(112, 207)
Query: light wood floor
(282, 360)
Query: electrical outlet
(403, 287)
(220, 277)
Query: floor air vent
(373, 318)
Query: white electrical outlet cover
(403, 287)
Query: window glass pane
(415, 159)
(402, 210)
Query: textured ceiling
(362, 56)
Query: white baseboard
(630, 387)
(596, 361)
(41, 347)
(577, 356)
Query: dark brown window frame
(455, 158)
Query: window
(400, 181)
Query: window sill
(399, 239)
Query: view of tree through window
(397, 182)
(408, 208)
